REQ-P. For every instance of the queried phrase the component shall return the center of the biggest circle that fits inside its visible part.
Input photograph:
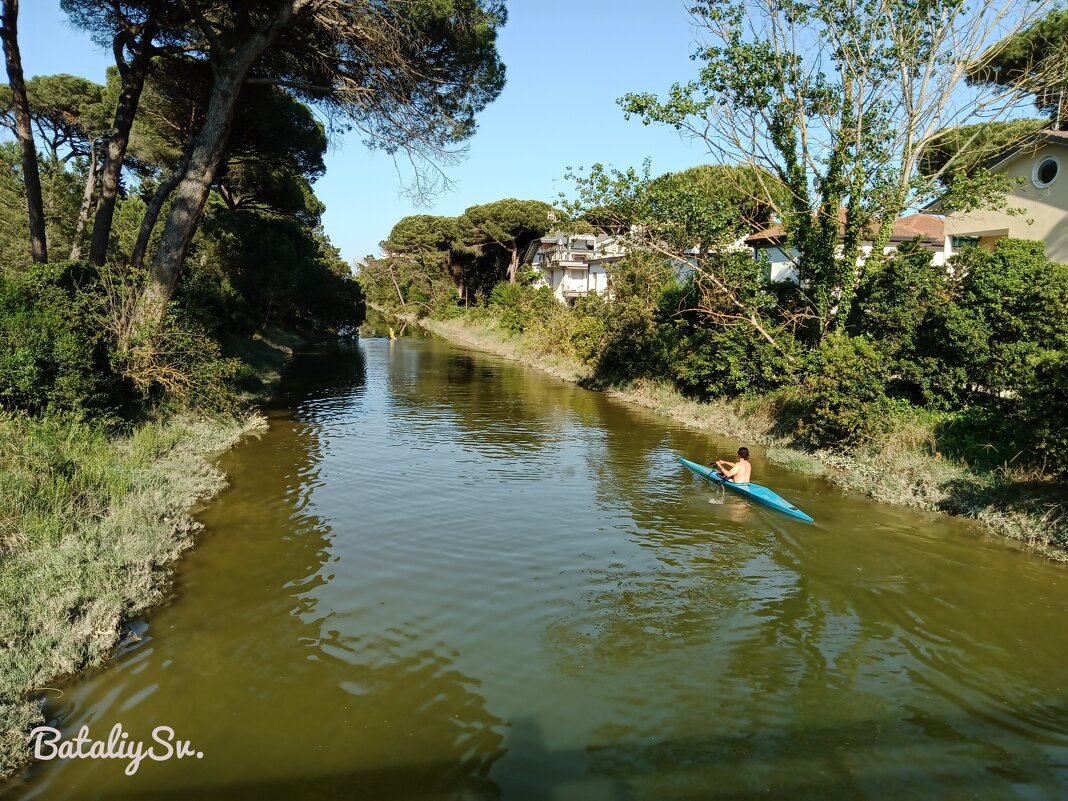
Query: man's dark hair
(743, 452)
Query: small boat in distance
(753, 492)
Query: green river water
(441, 575)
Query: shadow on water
(779, 765)
(334, 368)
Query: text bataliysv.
(48, 743)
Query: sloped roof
(927, 226)
(1031, 143)
(1046, 137)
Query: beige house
(1039, 163)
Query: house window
(958, 242)
(1045, 172)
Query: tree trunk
(513, 265)
(87, 202)
(396, 286)
(207, 153)
(192, 194)
(30, 175)
(163, 191)
(133, 81)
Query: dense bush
(61, 349)
(1045, 407)
(519, 306)
(642, 294)
(180, 365)
(1009, 311)
(53, 355)
(708, 362)
(588, 327)
(902, 307)
(843, 399)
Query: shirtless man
(738, 472)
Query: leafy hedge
(53, 355)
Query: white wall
(784, 263)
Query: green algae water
(441, 575)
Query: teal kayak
(753, 492)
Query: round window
(1045, 172)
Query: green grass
(89, 524)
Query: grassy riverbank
(91, 521)
(905, 467)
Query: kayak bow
(753, 492)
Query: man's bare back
(739, 472)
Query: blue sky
(567, 63)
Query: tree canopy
(967, 148)
(68, 112)
(510, 225)
(1035, 58)
(840, 102)
(754, 194)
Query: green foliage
(520, 306)
(1045, 407)
(703, 207)
(752, 195)
(423, 233)
(265, 270)
(631, 346)
(843, 403)
(53, 356)
(988, 433)
(275, 153)
(901, 308)
(61, 189)
(958, 158)
(505, 228)
(446, 305)
(179, 365)
(427, 255)
(725, 361)
(1033, 59)
(804, 91)
(967, 148)
(67, 113)
(1009, 310)
(588, 329)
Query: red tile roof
(926, 226)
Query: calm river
(442, 575)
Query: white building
(783, 261)
(573, 265)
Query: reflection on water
(441, 575)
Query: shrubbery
(1045, 407)
(53, 356)
(519, 306)
(63, 347)
(1008, 313)
(843, 399)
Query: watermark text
(48, 743)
